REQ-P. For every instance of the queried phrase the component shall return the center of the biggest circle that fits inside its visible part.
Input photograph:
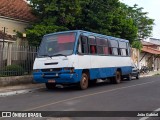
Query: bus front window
(57, 45)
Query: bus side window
(84, 44)
(102, 46)
(110, 50)
(92, 49)
(123, 48)
(113, 47)
(128, 50)
(92, 45)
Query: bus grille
(51, 70)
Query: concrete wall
(15, 80)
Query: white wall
(12, 25)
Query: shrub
(157, 74)
(12, 70)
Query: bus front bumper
(63, 78)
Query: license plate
(51, 81)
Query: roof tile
(17, 9)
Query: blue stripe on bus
(95, 73)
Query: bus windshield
(57, 45)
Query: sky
(153, 9)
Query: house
(149, 55)
(15, 15)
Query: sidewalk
(25, 88)
(19, 89)
(151, 73)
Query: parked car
(135, 71)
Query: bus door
(83, 53)
(95, 68)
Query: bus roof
(89, 33)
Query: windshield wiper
(43, 55)
(57, 55)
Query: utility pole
(2, 50)
(4, 32)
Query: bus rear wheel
(129, 77)
(117, 79)
(50, 86)
(84, 82)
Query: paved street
(135, 95)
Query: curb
(146, 76)
(16, 92)
(15, 80)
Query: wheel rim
(84, 82)
(118, 77)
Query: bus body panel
(104, 66)
(99, 67)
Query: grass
(157, 74)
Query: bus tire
(117, 79)
(50, 86)
(84, 82)
(137, 77)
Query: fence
(16, 60)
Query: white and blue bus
(81, 57)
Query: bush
(157, 74)
(12, 70)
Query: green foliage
(12, 70)
(137, 44)
(157, 74)
(143, 23)
(109, 17)
(35, 33)
(18, 34)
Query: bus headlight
(36, 70)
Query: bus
(80, 57)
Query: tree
(52, 16)
(109, 17)
(141, 21)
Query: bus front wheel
(84, 82)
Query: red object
(106, 50)
(66, 38)
(110, 50)
(93, 49)
(16, 9)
